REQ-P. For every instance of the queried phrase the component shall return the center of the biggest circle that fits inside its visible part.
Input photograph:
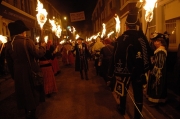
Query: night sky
(65, 7)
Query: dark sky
(65, 7)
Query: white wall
(172, 10)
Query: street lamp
(65, 18)
(65, 27)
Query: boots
(31, 114)
(137, 115)
(122, 106)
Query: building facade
(104, 12)
(25, 10)
(165, 18)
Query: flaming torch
(53, 25)
(116, 17)
(55, 28)
(58, 31)
(37, 39)
(149, 7)
(41, 16)
(46, 39)
(103, 30)
(3, 39)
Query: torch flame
(149, 7)
(77, 36)
(41, 15)
(53, 25)
(3, 39)
(37, 39)
(58, 31)
(117, 23)
(110, 33)
(46, 39)
(104, 30)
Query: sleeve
(9, 60)
(160, 59)
(33, 51)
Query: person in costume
(157, 83)
(54, 60)
(46, 65)
(81, 58)
(105, 58)
(130, 62)
(98, 45)
(27, 95)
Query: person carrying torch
(28, 96)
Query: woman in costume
(157, 83)
(48, 73)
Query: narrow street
(76, 99)
(82, 99)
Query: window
(171, 29)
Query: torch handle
(147, 27)
(1, 48)
(41, 36)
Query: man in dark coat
(105, 58)
(26, 93)
(130, 62)
(81, 60)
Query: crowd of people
(128, 59)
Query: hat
(17, 27)
(132, 18)
(80, 38)
(158, 36)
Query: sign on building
(77, 16)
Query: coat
(26, 93)
(131, 55)
(85, 54)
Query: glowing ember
(149, 7)
(116, 17)
(41, 15)
(3, 39)
(103, 30)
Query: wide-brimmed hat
(157, 36)
(132, 17)
(17, 27)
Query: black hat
(17, 27)
(132, 18)
(80, 38)
(157, 36)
